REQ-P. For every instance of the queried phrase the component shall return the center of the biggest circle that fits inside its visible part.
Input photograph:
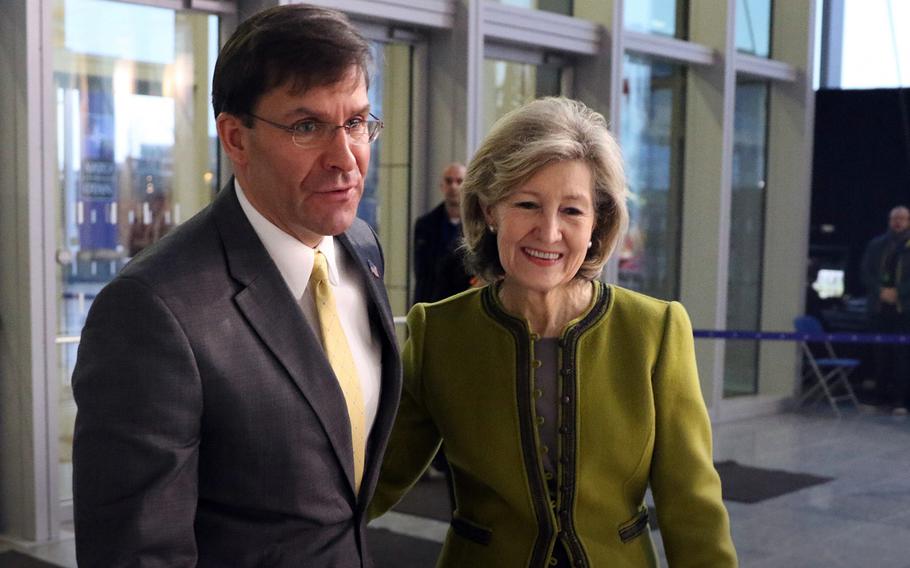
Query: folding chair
(829, 373)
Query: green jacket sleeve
(687, 494)
(415, 438)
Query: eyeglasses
(312, 133)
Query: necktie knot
(320, 269)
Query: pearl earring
(590, 244)
(492, 229)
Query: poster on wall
(98, 173)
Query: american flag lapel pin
(373, 269)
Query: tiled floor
(861, 518)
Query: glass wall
(662, 17)
(652, 130)
(753, 27)
(132, 88)
(747, 232)
(509, 84)
(386, 194)
(557, 6)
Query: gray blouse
(546, 398)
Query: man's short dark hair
(297, 45)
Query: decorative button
(552, 561)
(566, 399)
(540, 420)
(536, 363)
(548, 475)
(564, 429)
(538, 393)
(545, 449)
(535, 337)
(565, 372)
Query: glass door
(386, 202)
(137, 152)
(508, 85)
(747, 234)
(653, 111)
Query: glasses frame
(371, 135)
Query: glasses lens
(359, 132)
(373, 128)
(308, 134)
(314, 134)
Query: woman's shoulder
(632, 298)
(455, 302)
(627, 301)
(448, 308)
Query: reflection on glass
(747, 231)
(663, 17)
(753, 27)
(508, 85)
(386, 194)
(653, 109)
(557, 6)
(132, 90)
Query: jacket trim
(536, 485)
(635, 527)
(568, 461)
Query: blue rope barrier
(880, 338)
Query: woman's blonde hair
(542, 132)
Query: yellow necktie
(339, 355)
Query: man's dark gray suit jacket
(211, 430)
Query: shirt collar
(293, 258)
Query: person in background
(560, 399)
(236, 383)
(438, 265)
(886, 275)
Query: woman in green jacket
(559, 399)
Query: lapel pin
(373, 269)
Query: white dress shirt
(295, 262)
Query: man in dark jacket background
(437, 235)
(885, 266)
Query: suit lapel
(277, 319)
(370, 268)
(359, 242)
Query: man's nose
(338, 153)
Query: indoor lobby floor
(854, 513)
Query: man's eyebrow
(304, 111)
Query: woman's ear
(488, 215)
(232, 134)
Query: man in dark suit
(438, 265)
(237, 382)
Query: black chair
(829, 374)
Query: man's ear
(232, 134)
